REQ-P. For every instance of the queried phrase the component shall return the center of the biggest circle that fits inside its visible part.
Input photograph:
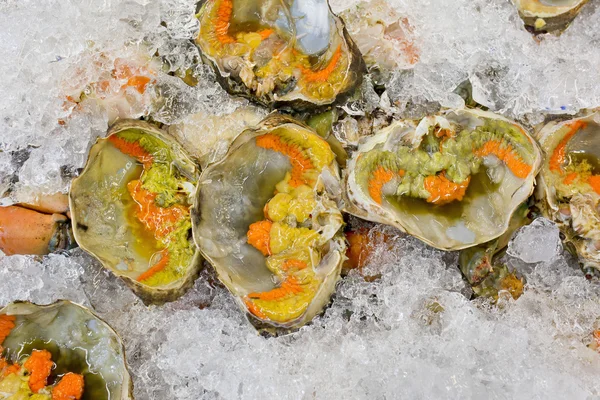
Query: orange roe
(594, 182)
(323, 74)
(300, 163)
(570, 178)
(265, 33)
(443, 191)
(253, 309)
(159, 220)
(289, 286)
(70, 387)
(558, 157)
(138, 82)
(444, 133)
(293, 264)
(380, 177)
(222, 23)
(133, 149)
(7, 323)
(156, 268)
(11, 369)
(5, 368)
(259, 236)
(39, 365)
(507, 155)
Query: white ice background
(378, 340)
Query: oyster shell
(294, 53)
(452, 181)
(541, 16)
(131, 210)
(78, 341)
(569, 183)
(265, 219)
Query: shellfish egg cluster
(68, 68)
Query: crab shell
(483, 211)
(542, 16)
(236, 73)
(75, 336)
(573, 206)
(232, 195)
(27, 231)
(101, 224)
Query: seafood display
(569, 184)
(292, 53)
(266, 220)
(453, 180)
(553, 16)
(60, 351)
(131, 210)
(290, 174)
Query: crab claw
(26, 231)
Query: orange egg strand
(7, 323)
(300, 163)
(288, 287)
(558, 157)
(133, 149)
(222, 23)
(507, 155)
(323, 74)
(254, 309)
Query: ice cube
(537, 242)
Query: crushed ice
(412, 332)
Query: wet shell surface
(78, 342)
(266, 220)
(554, 16)
(452, 180)
(131, 210)
(569, 183)
(295, 54)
